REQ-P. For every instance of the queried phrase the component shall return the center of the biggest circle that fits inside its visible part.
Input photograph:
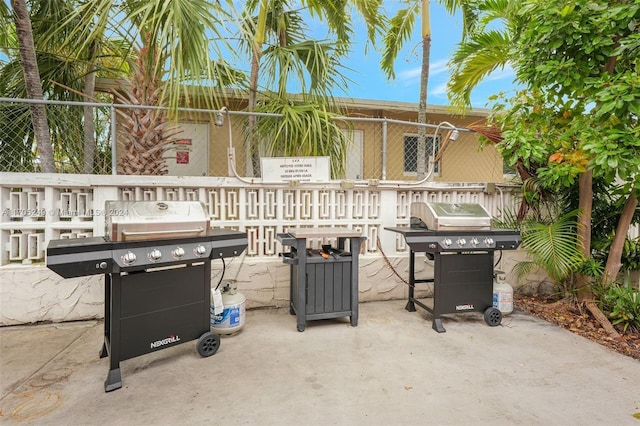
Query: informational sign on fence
(303, 169)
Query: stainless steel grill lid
(446, 216)
(147, 220)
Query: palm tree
(171, 62)
(32, 81)
(292, 54)
(65, 74)
(400, 31)
(484, 50)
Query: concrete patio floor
(392, 369)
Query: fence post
(384, 150)
(114, 141)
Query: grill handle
(170, 231)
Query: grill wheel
(208, 344)
(492, 316)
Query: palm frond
(400, 29)
(473, 61)
(554, 246)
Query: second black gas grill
(460, 240)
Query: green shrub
(621, 303)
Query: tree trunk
(421, 155)
(614, 259)
(603, 320)
(259, 38)
(33, 84)
(585, 205)
(89, 123)
(252, 145)
(88, 112)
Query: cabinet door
(328, 287)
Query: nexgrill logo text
(467, 307)
(168, 340)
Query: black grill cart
(460, 240)
(156, 261)
(324, 282)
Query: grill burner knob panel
(178, 252)
(155, 255)
(129, 258)
(200, 250)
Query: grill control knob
(155, 255)
(200, 250)
(102, 265)
(129, 258)
(446, 242)
(178, 252)
(474, 242)
(488, 241)
(461, 242)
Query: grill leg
(437, 325)
(111, 345)
(114, 380)
(410, 306)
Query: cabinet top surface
(323, 232)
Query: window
(411, 153)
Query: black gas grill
(461, 242)
(156, 260)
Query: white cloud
(438, 67)
(501, 74)
(439, 90)
(412, 76)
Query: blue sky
(446, 32)
(370, 82)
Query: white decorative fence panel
(37, 208)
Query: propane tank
(232, 317)
(502, 293)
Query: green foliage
(485, 48)
(580, 61)
(630, 252)
(621, 303)
(303, 130)
(552, 244)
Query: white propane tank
(232, 318)
(502, 293)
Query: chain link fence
(95, 138)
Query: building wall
(383, 144)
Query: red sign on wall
(182, 157)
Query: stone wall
(33, 293)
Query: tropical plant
(549, 237)
(26, 47)
(400, 30)
(170, 57)
(306, 130)
(621, 304)
(279, 42)
(578, 118)
(66, 75)
(486, 48)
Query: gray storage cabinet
(322, 287)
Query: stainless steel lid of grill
(449, 217)
(152, 220)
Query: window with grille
(411, 153)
